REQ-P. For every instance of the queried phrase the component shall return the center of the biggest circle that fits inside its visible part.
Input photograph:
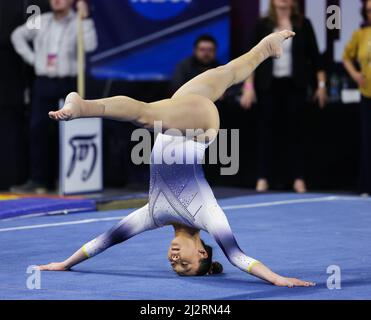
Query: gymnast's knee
(210, 113)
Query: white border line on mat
(231, 207)
(60, 224)
(281, 202)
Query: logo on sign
(160, 9)
(82, 147)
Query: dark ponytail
(207, 266)
(216, 268)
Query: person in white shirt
(179, 194)
(52, 51)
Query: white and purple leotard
(178, 194)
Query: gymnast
(179, 194)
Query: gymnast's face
(185, 255)
(60, 5)
(283, 4)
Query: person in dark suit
(281, 85)
(203, 59)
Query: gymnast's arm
(137, 222)
(219, 228)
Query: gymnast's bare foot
(54, 266)
(262, 185)
(299, 186)
(72, 109)
(274, 41)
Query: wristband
(248, 86)
(253, 263)
(322, 84)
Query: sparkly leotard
(179, 194)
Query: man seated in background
(203, 58)
(53, 55)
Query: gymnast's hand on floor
(263, 272)
(292, 282)
(54, 266)
(72, 109)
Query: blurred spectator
(359, 50)
(53, 55)
(203, 58)
(281, 85)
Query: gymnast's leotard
(179, 194)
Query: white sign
(351, 96)
(80, 156)
(350, 18)
(316, 11)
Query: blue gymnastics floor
(296, 235)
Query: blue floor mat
(296, 235)
(43, 206)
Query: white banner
(80, 150)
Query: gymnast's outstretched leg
(191, 107)
(213, 83)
